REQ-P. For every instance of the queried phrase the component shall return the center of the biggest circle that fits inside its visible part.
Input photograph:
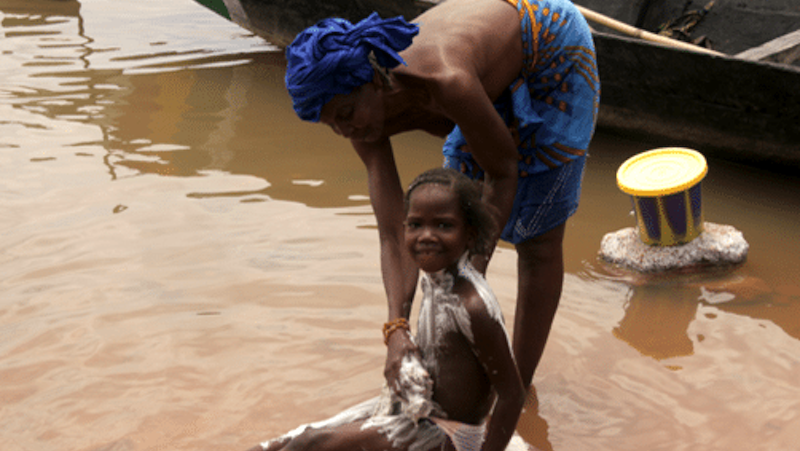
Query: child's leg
(275, 445)
(346, 437)
(356, 414)
(346, 432)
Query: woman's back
(481, 37)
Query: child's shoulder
(477, 298)
(486, 329)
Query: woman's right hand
(398, 346)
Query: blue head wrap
(332, 57)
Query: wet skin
(436, 237)
(467, 375)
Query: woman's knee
(545, 248)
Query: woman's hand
(399, 345)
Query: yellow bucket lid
(661, 172)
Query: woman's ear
(380, 78)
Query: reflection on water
(188, 266)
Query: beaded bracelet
(393, 325)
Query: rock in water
(717, 245)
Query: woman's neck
(409, 106)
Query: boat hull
(279, 21)
(725, 107)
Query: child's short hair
(477, 213)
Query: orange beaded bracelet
(393, 325)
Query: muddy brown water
(184, 265)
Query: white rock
(716, 245)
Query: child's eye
(412, 224)
(445, 225)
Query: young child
(465, 369)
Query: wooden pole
(641, 34)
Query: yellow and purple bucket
(664, 185)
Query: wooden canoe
(279, 21)
(740, 105)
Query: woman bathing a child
(513, 85)
(465, 369)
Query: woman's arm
(464, 100)
(492, 347)
(399, 271)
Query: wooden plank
(626, 29)
(784, 50)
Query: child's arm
(492, 347)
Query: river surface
(185, 265)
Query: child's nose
(427, 233)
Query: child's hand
(399, 345)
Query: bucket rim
(661, 172)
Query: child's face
(436, 232)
